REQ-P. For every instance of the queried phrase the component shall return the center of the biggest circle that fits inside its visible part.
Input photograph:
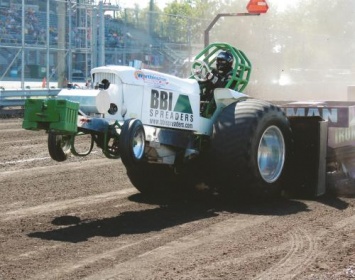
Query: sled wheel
(199, 70)
(132, 142)
(58, 146)
(251, 149)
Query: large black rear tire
(250, 149)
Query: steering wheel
(199, 70)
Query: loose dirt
(83, 219)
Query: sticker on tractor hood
(170, 109)
(151, 78)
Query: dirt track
(82, 219)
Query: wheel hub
(271, 154)
(138, 143)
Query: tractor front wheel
(132, 142)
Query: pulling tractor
(153, 122)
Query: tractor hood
(143, 77)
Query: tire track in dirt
(41, 214)
(40, 159)
(21, 141)
(116, 250)
(6, 124)
(14, 130)
(23, 160)
(12, 162)
(145, 264)
(31, 254)
(292, 247)
(69, 268)
(59, 167)
(34, 184)
(17, 133)
(63, 205)
(302, 251)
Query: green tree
(185, 19)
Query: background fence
(13, 101)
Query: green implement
(57, 115)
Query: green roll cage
(241, 67)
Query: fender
(226, 96)
(223, 97)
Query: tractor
(154, 123)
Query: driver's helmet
(224, 61)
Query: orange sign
(257, 6)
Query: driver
(217, 78)
(220, 76)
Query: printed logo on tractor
(330, 114)
(170, 109)
(151, 78)
(337, 117)
(339, 136)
